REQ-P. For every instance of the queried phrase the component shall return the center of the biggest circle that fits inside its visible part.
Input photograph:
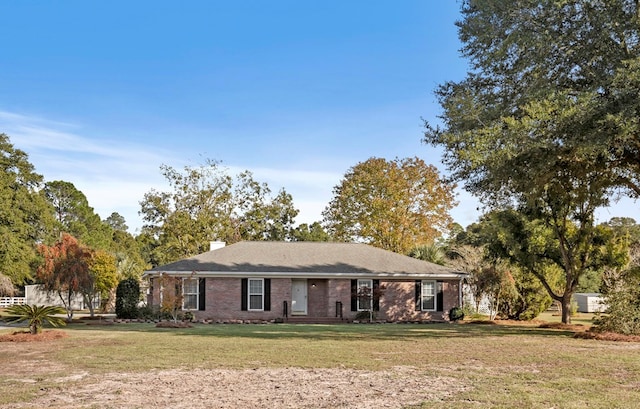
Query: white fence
(7, 301)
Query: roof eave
(307, 274)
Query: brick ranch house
(268, 281)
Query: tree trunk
(67, 304)
(494, 305)
(89, 302)
(69, 307)
(33, 328)
(565, 306)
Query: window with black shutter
(376, 295)
(439, 297)
(244, 290)
(428, 295)
(267, 294)
(354, 295)
(256, 294)
(189, 290)
(202, 297)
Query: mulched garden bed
(607, 336)
(100, 322)
(26, 336)
(565, 327)
(171, 324)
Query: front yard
(319, 366)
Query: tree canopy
(130, 254)
(394, 205)
(313, 232)
(7, 289)
(553, 87)
(206, 203)
(496, 273)
(75, 216)
(547, 120)
(117, 222)
(25, 217)
(103, 278)
(561, 263)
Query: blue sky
(101, 94)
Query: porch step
(314, 320)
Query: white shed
(590, 302)
(34, 294)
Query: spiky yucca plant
(36, 315)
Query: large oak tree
(205, 203)
(395, 205)
(547, 119)
(25, 217)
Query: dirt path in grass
(27, 360)
(261, 387)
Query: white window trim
(249, 294)
(434, 295)
(358, 286)
(197, 294)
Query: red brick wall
(317, 298)
(339, 290)
(223, 300)
(397, 302)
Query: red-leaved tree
(65, 270)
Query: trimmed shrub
(456, 313)
(127, 298)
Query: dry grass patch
(264, 387)
(304, 366)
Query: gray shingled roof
(306, 259)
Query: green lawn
(501, 366)
(580, 318)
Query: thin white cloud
(115, 175)
(9, 117)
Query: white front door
(298, 297)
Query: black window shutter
(439, 296)
(202, 289)
(354, 295)
(418, 295)
(244, 291)
(376, 295)
(267, 294)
